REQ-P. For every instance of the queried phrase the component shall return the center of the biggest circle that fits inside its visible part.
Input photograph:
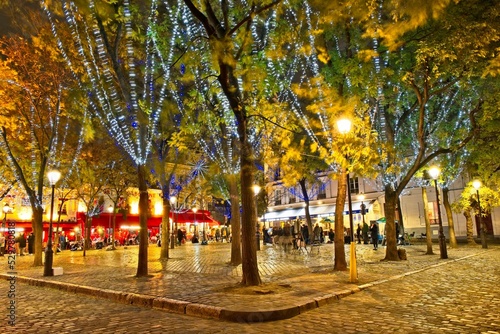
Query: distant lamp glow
(344, 126)
(476, 184)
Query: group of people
(271, 234)
(23, 245)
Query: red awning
(181, 217)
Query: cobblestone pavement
(421, 295)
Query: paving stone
(459, 295)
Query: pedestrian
(62, 241)
(331, 236)
(316, 232)
(180, 236)
(22, 244)
(2, 244)
(31, 243)
(358, 233)
(374, 234)
(365, 233)
(305, 233)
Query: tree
(89, 182)
(119, 175)
(429, 107)
(468, 201)
(40, 117)
(126, 76)
(229, 33)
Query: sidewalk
(197, 280)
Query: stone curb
(209, 311)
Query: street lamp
(6, 209)
(477, 184)
(256, 191)
(111, 233)
(363, 212)
(195, 209)
(53, 177)
(344, 126)
(434, 173)
(173, 200)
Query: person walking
(31, 243)
(180, 236)
(374, 234)
(22, 244)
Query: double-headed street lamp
(477, 184)
(256, 191)
(53, 177)
(344, 126)
(434, 173)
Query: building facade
(286, 204)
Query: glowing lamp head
(173, 200)
(6, 208)
(53, 177)
(344, 126)
(434, 172)
(256, 189)
(476, 184)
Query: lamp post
(363, 211)
(256, 191)
(53, 177)
(344, 126)
(194, 222)
(477, 184)
(434, 173)
(173, 200)
(111, 231)
(6, 210)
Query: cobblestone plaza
(421, 295)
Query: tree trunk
(142, 264)
(88, 227)
(340, 262)
(38, 232)
(250, 268)
(470, 228)
(428, 236)
(165, 228)
(391, 200)
(235, 221)
(449, 215)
